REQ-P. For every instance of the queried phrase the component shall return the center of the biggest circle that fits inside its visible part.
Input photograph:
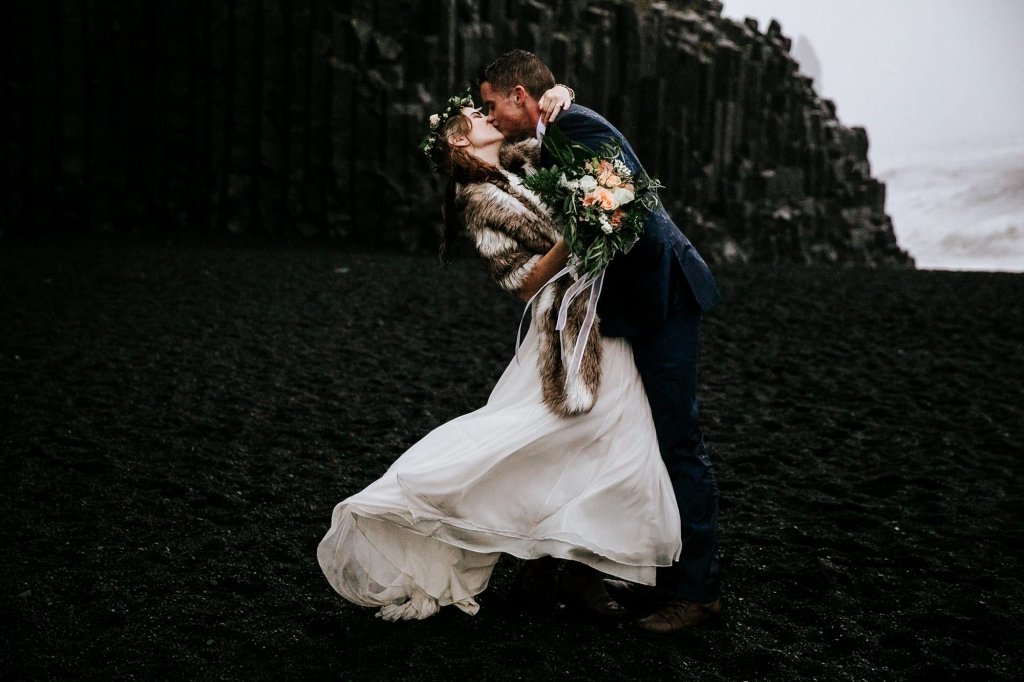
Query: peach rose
(602, 198)
(606, 175)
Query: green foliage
(594, 232)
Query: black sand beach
(177, 423)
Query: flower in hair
(453, 106)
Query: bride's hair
(461, 167)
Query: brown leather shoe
(583, 587)
(680, 614)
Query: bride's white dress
(510, 477)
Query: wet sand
(176, 423)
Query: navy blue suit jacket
(639, 287)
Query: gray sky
(915, 73)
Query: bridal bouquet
(600, 203)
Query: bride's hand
(554, 100)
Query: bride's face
(481, 133)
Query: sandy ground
(176, 423)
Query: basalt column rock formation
(302, 117)
(757, 166)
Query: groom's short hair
(519, 67)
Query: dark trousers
(667, 361)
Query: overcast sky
(915, 73)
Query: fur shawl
(511, 229)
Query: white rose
(623, 195)
(588, 183)
(434, 120)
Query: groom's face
(508, 111)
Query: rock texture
(301, 117)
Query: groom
(654, 296)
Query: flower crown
(455, 105)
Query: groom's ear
(520, 95)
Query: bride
(547, 467)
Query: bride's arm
(544, 269)
(555, 100)
(492, 219)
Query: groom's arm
(592, 133)
(583, 129)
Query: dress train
(510, 477)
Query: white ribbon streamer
(519, 333)
(594, 284)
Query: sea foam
(959, 206)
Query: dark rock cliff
(302, 117)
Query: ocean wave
(951, 208)
(993, 245)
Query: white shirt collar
(541, 128)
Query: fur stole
(511, 229)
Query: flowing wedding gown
(510, 477)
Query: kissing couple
(594, 471)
